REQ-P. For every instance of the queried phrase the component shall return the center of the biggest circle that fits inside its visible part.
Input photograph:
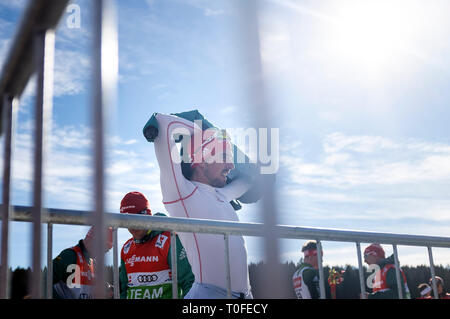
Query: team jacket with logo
(191, 199)
(385, 282)
(306, 282)
(145, 271)
(74, 264)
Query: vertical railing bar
(361, 271)
(433, 273)
(116, 283)
(397, 273)
(99, 175)
(227, 264)
(321, 275)
(44, 56)
(37, 186)
(9, 107)
(105, 74)
(49, 261)
(249, 33)
(174, 258)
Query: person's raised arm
(174, 185)
(236, 188)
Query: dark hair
(439, 280)
(186, 168)
(20, 283)
(311, 244)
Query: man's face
(216, 173)
(313, 261)
(370, 259)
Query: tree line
(348, 289)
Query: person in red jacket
(74, 269)
(384, 284)
(145, 271)
(440, 287)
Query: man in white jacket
(202, 192)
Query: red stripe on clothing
(175, 201)
(178, 189)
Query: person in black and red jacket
(73, 269)
(384, 284)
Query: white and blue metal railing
(32, 51)
(225, 228)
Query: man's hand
(150, 129)
(151, 132)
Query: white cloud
(209, 8)
(363, 144)
(370, 181)
(325, 196)
(227, 110)
(211, 12)
(4, 47)
(71, 65)
(15, 4)
(276, 51)
(130, 142)
(349, 161)
(71, 72)
(72, 137)
(68, 171)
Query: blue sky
(359, 91)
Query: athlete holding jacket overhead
(200, 190)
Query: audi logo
(147, 278)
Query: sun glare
(375, 34)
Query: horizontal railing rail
(175, 224)
(76, 217)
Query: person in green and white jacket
(306, 278)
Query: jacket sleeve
(392, 291)
(236, 188)
(173, 184)
(185, 276)
(311, 279)
(123, 280)
(60, 263)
